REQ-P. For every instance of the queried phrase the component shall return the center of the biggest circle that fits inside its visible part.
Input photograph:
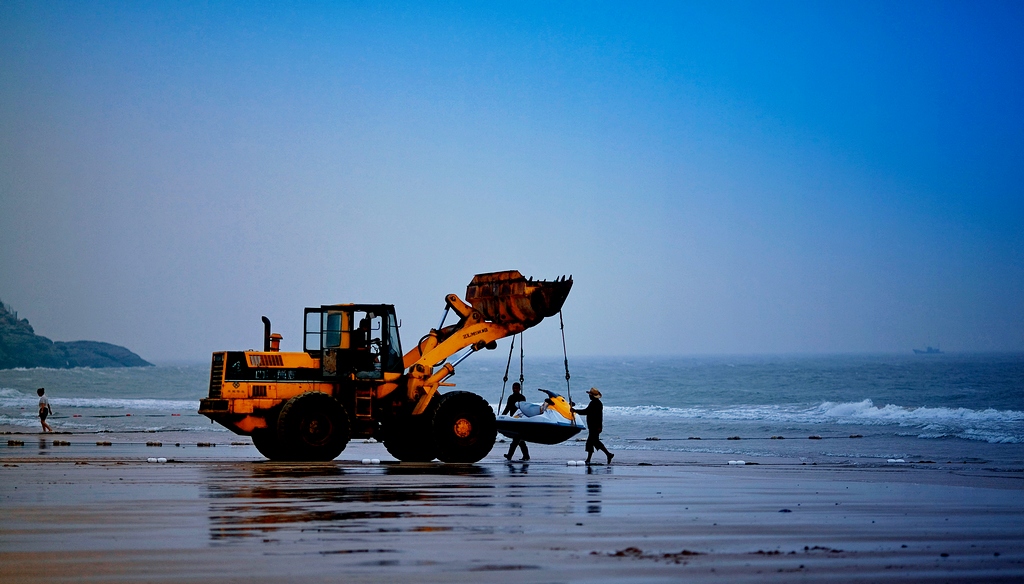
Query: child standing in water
(44, 409)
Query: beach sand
(88, 513)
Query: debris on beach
(778, 438)
(733, 438)
(637, 553)
(154, 443)
(15, 442)
(822, 548)
(856, 435)
(814, 437)
(103, 443)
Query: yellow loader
(352, 379)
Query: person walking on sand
(511, 405)
(44, 409)
(595, 419)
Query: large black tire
(464, 428)
(265, 440)
(408, 438)
(313, 426)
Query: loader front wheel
(464, 428)
(407, 438)
(265, 440)
(313, 427)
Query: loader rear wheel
(464, 428)
(313, 426)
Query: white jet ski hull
(541, 429)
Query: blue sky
(718, 177)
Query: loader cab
(358, 340)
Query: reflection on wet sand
(593, 498)
(279, 501)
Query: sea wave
(22, 400)
(862, 412)
(866, 412)
(988, 425)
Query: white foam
(989, 425)
(862, 412)
(8, 400)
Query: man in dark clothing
(595, 423)
(510, 408)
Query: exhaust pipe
(266, 334)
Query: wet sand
(84, 512)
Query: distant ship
(928, 351)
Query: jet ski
(551, 422)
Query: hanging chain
(504, 380)
(565, 360)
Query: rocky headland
(20, 346)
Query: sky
(718, 177)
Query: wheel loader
(352, 379)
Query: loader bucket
(508, 297)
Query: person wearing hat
(595, 420)
(44, 409)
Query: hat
(594, 392)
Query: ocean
(861, 409)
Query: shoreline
(85, 512)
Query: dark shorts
(594, 442)
(43, 414)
